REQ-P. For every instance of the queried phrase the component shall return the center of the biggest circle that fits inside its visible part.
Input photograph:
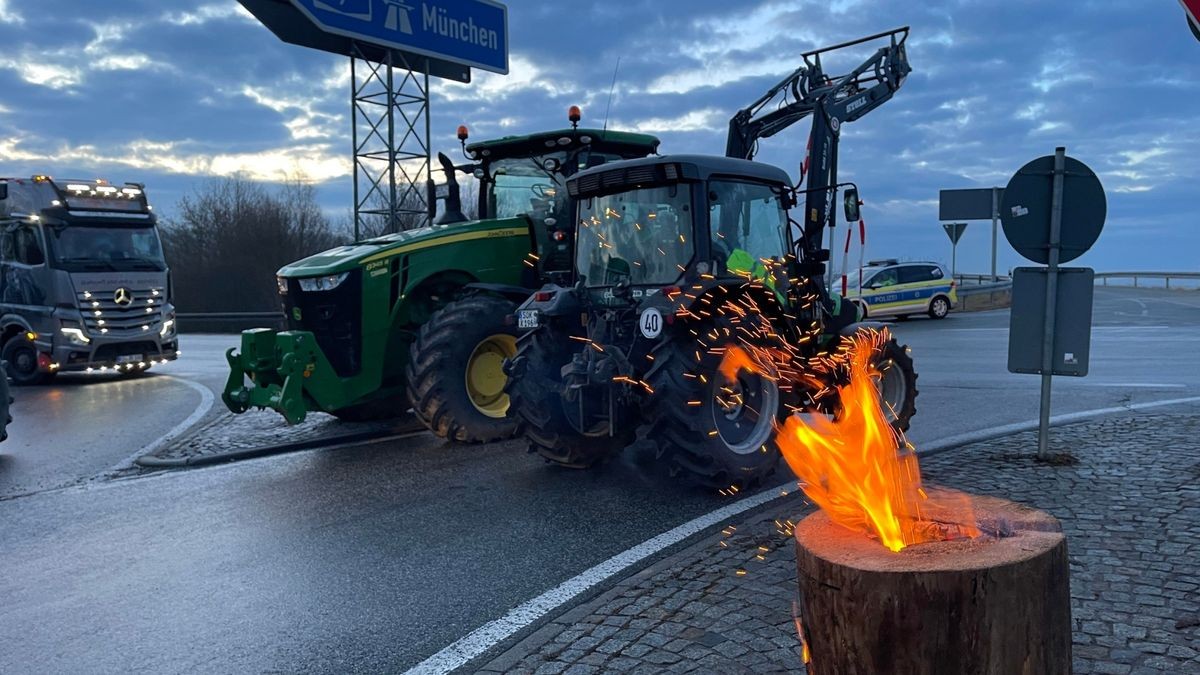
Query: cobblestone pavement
(1128, 495)
(255, 429)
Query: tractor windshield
(640, 236)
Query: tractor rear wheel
(455, 370)
(897, 384)
(535, 386)
(715, 430)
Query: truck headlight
(281, 284)
(74, 333)
(325, 283)
(168, 328)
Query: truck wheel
(717, 431)
(22, 358)
(897, 384)
(939, 307)
(6, 401)
(535, 388)
(455, 370)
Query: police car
(893, 288)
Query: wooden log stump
(999, 604)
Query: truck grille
(138, 313)
(334, 318)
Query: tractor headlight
(281, 284)
(325, 283)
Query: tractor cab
(525, 176)
(661, 222)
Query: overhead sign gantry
(394, 46)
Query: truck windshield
(106, 248)
(640, 236)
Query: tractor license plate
(130, 358)
(527, 318)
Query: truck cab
(83, 282)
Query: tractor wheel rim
(892, 386)
(743, 411)
(485, 376)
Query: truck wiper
(87, 261)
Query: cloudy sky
(172, 93)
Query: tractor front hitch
(271, 371)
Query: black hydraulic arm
(832, 101)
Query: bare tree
(232, 235)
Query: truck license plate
(130, 358)
(527, 318)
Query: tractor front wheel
(455, 370)
(897, 384)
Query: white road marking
(206, 404)
(1122, 385)
(478, 641)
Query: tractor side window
(746, 220)
(643, 236)
(27, 247)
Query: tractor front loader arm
(280, 367)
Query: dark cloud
(170, 95)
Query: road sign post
(955, 232)
(1051, 222)
(973, 204)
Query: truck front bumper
(112, 355)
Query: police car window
(935, 273)
(885, 278)
(913, 274)
(746, 217)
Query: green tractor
(681, 258)
(423, 318)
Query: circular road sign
(1025, 209)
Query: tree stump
(999, 604)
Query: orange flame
(862, 472)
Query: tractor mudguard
(517, 294)
(285, 369)
(860, 325)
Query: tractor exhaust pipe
(452, 213)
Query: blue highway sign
(467, 32)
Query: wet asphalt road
(374, 557)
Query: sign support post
(995, 228)
(1051, 301)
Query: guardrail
(980, 278)
(228, 322)
(1103, 277)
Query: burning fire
(861, 471)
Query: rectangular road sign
(1072, 322)
(467, 32)
(973, 204)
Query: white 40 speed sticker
(651, 322)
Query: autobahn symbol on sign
(467, 32)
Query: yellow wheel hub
(485, 374)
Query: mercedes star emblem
(122, 296)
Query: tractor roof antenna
(611, 89)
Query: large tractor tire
(897, 384)
(455, 370)
(535, 387)
(22, 358)
(714, 431)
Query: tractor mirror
(851, 204)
